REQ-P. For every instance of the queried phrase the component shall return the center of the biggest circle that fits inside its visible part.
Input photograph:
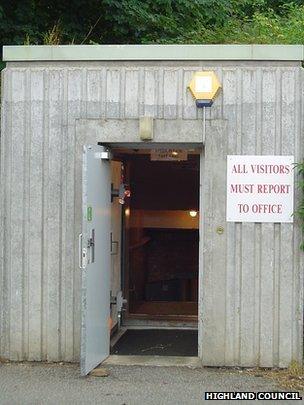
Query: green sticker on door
(89, 213)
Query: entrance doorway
(148, 224)
(160, 234)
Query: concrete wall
(251, 294)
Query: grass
(291, 378)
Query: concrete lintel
(118, 131)
(151, 52)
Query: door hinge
(115, 243)
(105, 155)
(119, 301)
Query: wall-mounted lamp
(204, 87)
(193, 213)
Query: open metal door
(95, 257)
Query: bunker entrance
(160, 234)
(139, 253)
(160, 249)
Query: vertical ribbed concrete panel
(253, 305)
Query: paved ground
(36, 383)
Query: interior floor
(157, 342)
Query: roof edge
(23, 53)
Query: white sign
(260, 188)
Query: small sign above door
(169, 154)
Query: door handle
(91, 246)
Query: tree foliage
(151, 21)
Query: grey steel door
(95, 257)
